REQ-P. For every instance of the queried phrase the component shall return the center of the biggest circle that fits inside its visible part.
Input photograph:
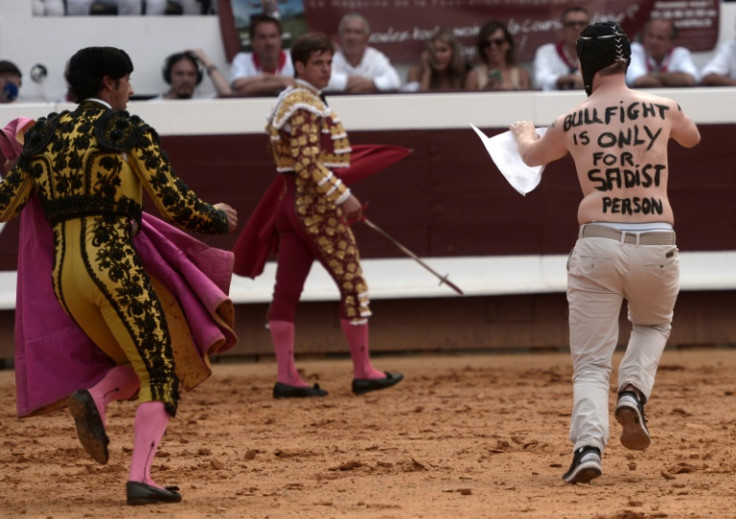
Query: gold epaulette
(120, 131)
(40, 134)
(293, 99)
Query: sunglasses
(576, 24)
(494, 41)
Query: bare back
(618, 139)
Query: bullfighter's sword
(443, 279)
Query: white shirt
(549, 65)
(723, 62)
(678, 60)
(244, 65)
(374, 65)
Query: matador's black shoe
(142, 494)
(286, 391)
(90, 429)
(365, 385)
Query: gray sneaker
(586, 465)
(630, 414)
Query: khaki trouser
(605, 267)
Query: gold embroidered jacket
(308, 139)
(95, 161)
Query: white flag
(505, 155)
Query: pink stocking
(120, 383)
(151, 420)
(357, 335)
(282, 335)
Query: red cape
(259, 237)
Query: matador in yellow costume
(89, 168)
(308, 141)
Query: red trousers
(311, 228)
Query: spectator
(183, 72)
(356, 67)
(108, 7)
(556, 64)
(721, 69)
(496, 69)
(268, 69)
(10, 81)
(48, 7)
(657, 62)
(442, 67)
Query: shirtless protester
(626, 243)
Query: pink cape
(259, 237)
(53, 357)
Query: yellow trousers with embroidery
(100, 281)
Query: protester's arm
(684, 130)
(535, 150)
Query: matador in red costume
(308, 142)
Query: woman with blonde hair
(496, 68)
(442, 66)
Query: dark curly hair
(88, 66)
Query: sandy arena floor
(472, 436)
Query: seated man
(356, 67)
(10, 80)
(183, 73)
(556, 64)
(102, 7)
(268, 69)
(721, 69)
(657, 62)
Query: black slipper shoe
(286, 391)
(90, 430)
(142, 494)
(365, 385)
